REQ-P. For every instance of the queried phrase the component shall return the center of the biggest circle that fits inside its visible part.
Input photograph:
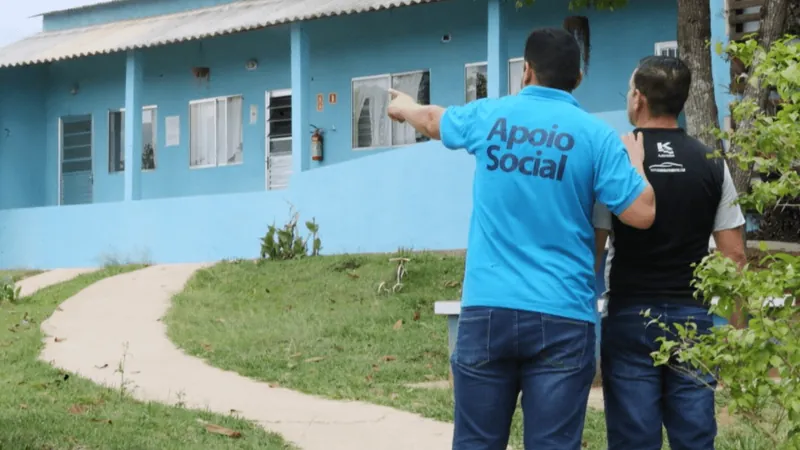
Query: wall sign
(253, 114)
(320, 102)
(173, 131)
(332, 98)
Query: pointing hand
(399, 104)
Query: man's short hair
(664, 81)
(555, 57)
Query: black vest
(654, 266)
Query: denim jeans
(640, 397)
(500, 352)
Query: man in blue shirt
(529, 305)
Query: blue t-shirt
(541, 161)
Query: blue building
(177, 130)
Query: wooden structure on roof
(744, 17)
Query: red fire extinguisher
(316, 144)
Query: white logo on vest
(667, 167)
(665, 150)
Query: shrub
(287, 243)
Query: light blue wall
(376, 50)
(170, 86)
(22, 137)
(368, 205)
(132, 9)
(369, 47)
(619, 40)
(416, 197)
(100, 83)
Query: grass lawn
(44, 408)
(321, 326)
(16, 275)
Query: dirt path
(116, 321)
(46, 279)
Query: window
(75, 177)
(668, 48)
(475, 76)
(116, 139)
(279, 139)
(372, 128)
(515, 68)
(476, 79)
(215, 132)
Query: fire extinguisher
(316, 144)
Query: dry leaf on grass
(77, 409)
(352, 275)
(207, 347)
(315, 359)
(216, 429)
(398, 324)
(23, 406)
(416, 315)
(388, 358)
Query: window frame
(241, 130)
(508, 70)
(665, 45)
(122, 143)
(467, 66)
(389, 75)
(269, 140)
(486, 63)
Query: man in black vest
(652, 269)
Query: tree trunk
(773, 20)
(694, 31)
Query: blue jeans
(640, 397)
(500, 352)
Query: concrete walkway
(46, 279)
(119, 318)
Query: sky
(15, 23)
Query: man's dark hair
(555, 57)
(664, 81)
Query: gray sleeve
(601, 217)
(729, 215)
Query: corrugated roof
(202, 23)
